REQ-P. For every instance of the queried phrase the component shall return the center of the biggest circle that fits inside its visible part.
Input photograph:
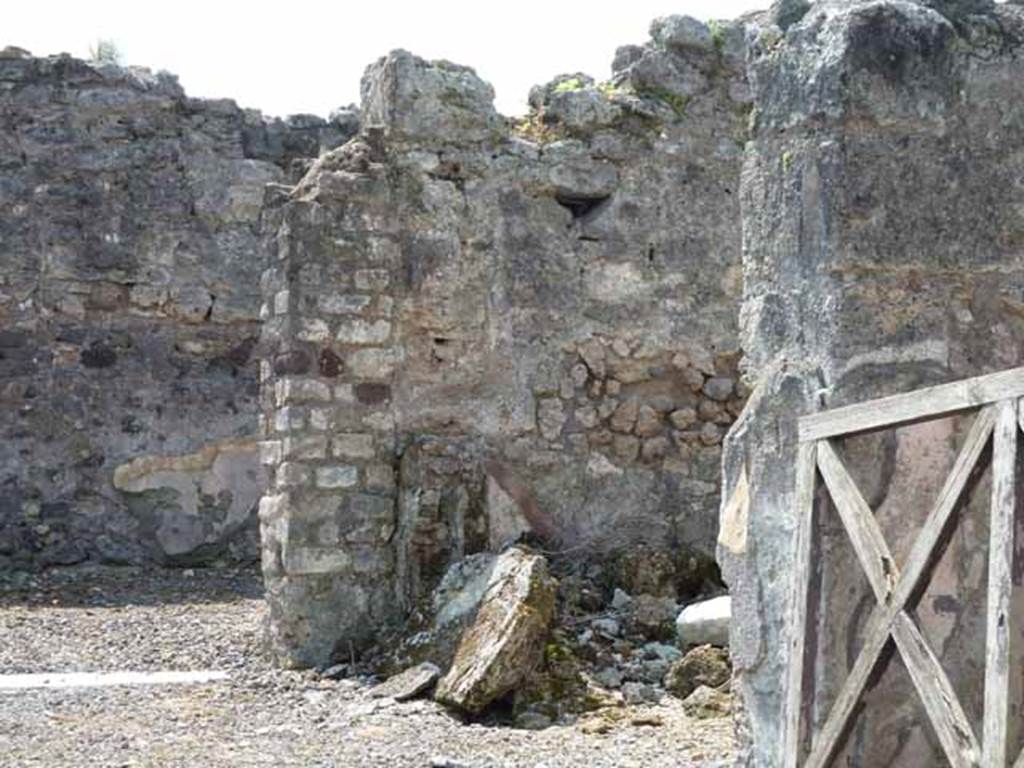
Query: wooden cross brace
(998, 419)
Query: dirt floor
(107, 620)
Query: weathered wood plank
(938, 519)
(932, 402)
(937, 695)
(828, 739)
(860, 523)
(940, 701)
(1000, 566)
(799, 608)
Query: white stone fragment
(705, 623)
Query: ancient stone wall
(883, 245)
(129, 301)
(480, 329)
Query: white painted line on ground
(9, 683)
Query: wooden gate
(997, 399)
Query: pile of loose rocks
(533, 642)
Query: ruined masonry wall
(478, 330)
(129, 312)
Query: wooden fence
(997, 399)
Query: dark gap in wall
(580, 205)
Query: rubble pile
(533, 640)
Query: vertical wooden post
(1000, 572)
(806, 468)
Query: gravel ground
(106, 620)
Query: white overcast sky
(293, 56)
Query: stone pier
(883, 251)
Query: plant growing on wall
(104, 51)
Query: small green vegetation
(717, 35)
(608, 89)
(677, 102)
(534, 128)
(787, 160)
(568, 86)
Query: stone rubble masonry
(129, 312)
(499, 326)
(882, 253)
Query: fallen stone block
(408, 684)
(705, 623)
(505, 642)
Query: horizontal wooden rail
(932, 402)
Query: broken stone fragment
(620, 600)
(704, 665)
(683, 418)
(640, 693)
(408, 684)
(505, 642)
(719, 388)
(574, 102)
(593, 355)
(693, 379)
(648, 422)
(414, 99)
(785, 13)
(550, 417)
(651, 617)
(706, 622)
(624, 417)
(705, 703)
(683, 33)
(644, 570)
(625, 447)
(654, 449)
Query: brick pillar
(329, 436)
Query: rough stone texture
(408, 684)
(705, 703)
(506, 640)
(129, 301)
(504, 319)
(704, 665)
(882, 253)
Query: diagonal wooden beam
(828, 738)
(937, 695)
(1000, 582)
(806, 472)
(936, 692)
(880, 620)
